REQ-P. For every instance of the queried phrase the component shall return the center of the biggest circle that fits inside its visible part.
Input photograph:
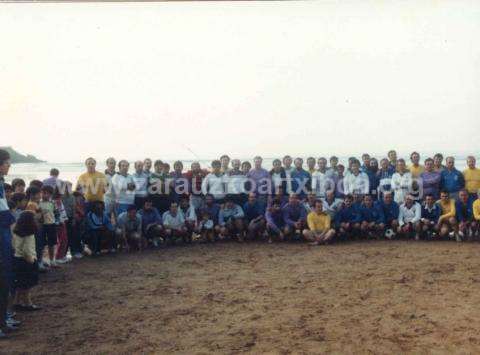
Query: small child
(62, 238)
(205, 227)
(19, 202)
(25, 265)
(34, 196)
(49, 228)
(78, 227)
(18, 185)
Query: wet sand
(367, 297)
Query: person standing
(356, 182)
(236, 183)
(437, 162)
(53, 180)
(287, 166)
(109, 197)
(301, 180)
(141, 184)
(451, 180)
(123, 186)
(158, 189)
(261, 178)
(92, 183)
(224, 164)
(472, 177)
(430, 180)
(215, 183)
(195, 178)
(415, 169)
(278, 176)
(401, 182)
(392, 157)
(321, 182)
(147, 166)
(6, 252)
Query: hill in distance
(17, 157)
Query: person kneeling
(129, 229)
(174, 225)
(100, 229)
(231, 221)
(409, 218)
(318, 222)
(447, 222)
(151, 223)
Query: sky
(196, 80)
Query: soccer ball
(389, 233)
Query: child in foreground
(49, 228)
(25, 265)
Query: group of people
(47, 223)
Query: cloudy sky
(175, 80)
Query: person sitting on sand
(152, 227)
(409, 218)
(174, 225)
(390, 210)
(464, 214)
(447, 222)
(429, 218)
(319, 226)
(371, 218)
(129, 229)
(295, 216)
(100, 229)
(231, 220)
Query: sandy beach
(372, 297)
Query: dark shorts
(25, 274)
(49, 234)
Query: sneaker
(53, 264)
(12, 321)
(3, 335)
(78, 255)
(62, 260)
(458, 238)
(42, 268)
(87, 251)
(112, 251)
(155, 243)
